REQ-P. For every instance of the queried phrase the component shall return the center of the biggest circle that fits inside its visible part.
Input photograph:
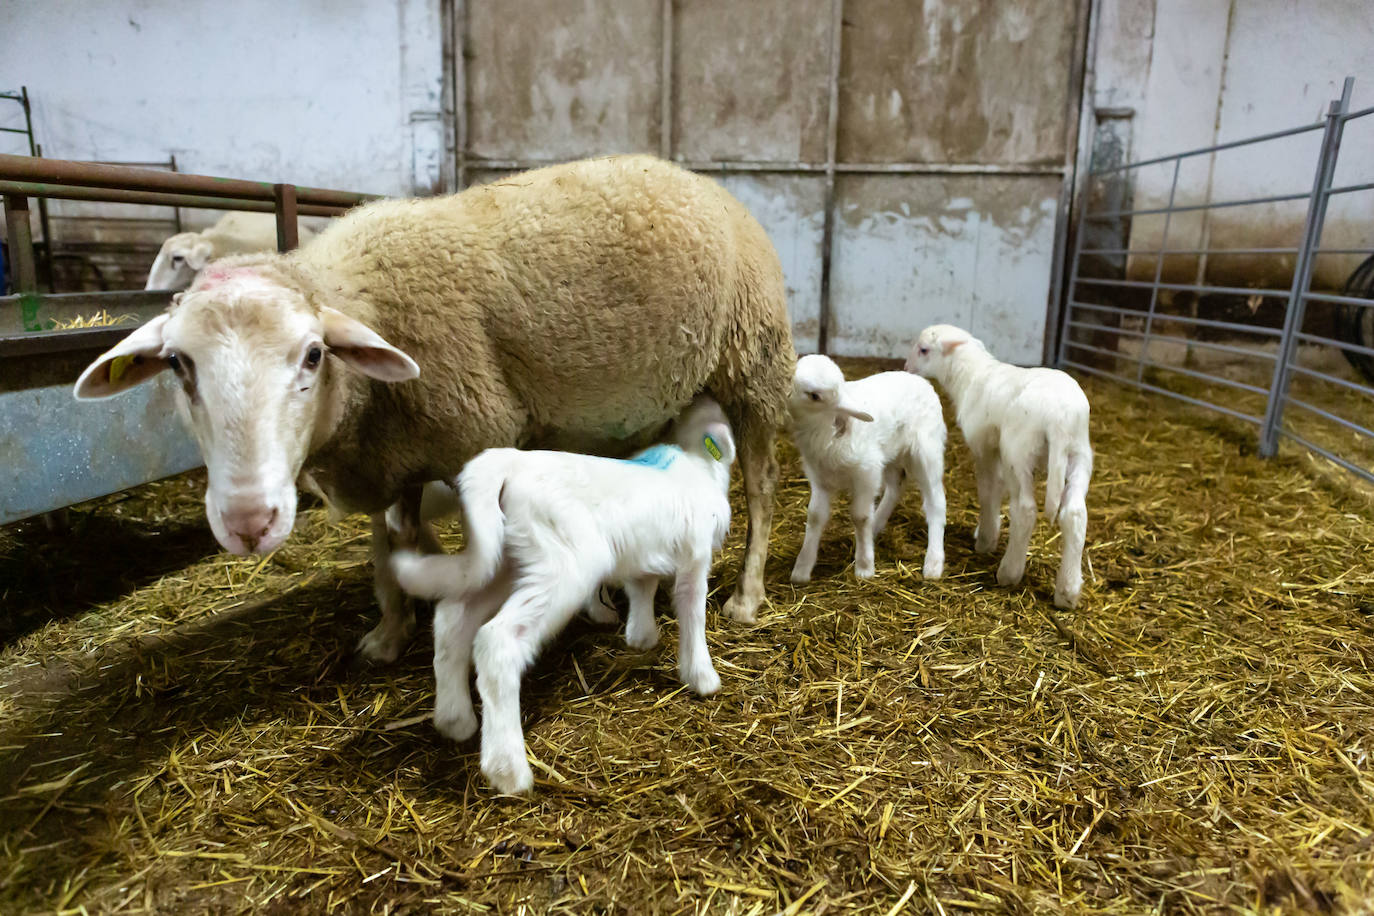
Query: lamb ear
(134, 359)
(948, 346)
(718, 435)
(364, 349)
(199, 255)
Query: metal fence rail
(1091, 333)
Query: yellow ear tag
(711, 448)
(118, 366)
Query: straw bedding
(184, 731)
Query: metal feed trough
(54, 450)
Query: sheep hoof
(865, 571)
(741, 608)
(800, 576)
(458, 726)
(934, 567)
(380, 646)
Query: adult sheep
(580, 306)
(185, 254)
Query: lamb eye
(815, 396)
(177, 259)
(313, 357)
(174, 361)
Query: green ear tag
(712, 449)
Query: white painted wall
(1199, 72)
(327, 93)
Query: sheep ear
(948, 346)
(364, 349)
(199, 255)
(719, 442)
(134, 359)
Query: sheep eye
(815, 396)
(313, 357)
(925, 350)
(174, 361)
(177, 259)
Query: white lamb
(900, 433)
(545, 529)
(1017, 422)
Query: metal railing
(1129, 312)
(22, 177)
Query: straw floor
(182, 731)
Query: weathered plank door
(907, 158)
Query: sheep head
(255, 359)
(179, 260)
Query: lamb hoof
(864, 571)
(1066, 597)
(934, 567)
(1007, 576)
(509, 777)
(641, 640)
(459, 726)
(703, 683)
(381, 647)
(741, 608)
(600, 609)
(800, 576)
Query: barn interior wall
(350, 95)
(1199, 72)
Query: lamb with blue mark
(545, 529)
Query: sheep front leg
(641, 632)
(1020, 524)
(817, 516)
(988, 472)
(693, 656)
(861, 511)
(384, 642)
(760, 469)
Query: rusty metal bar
(155, 198)
(832, 144)
(20, 235)
(92, 175)
(288, 236)
(460, 91)
(788, 167)
(665, 85)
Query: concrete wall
(329, 93)
(1199, 72)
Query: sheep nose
(249, 523)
